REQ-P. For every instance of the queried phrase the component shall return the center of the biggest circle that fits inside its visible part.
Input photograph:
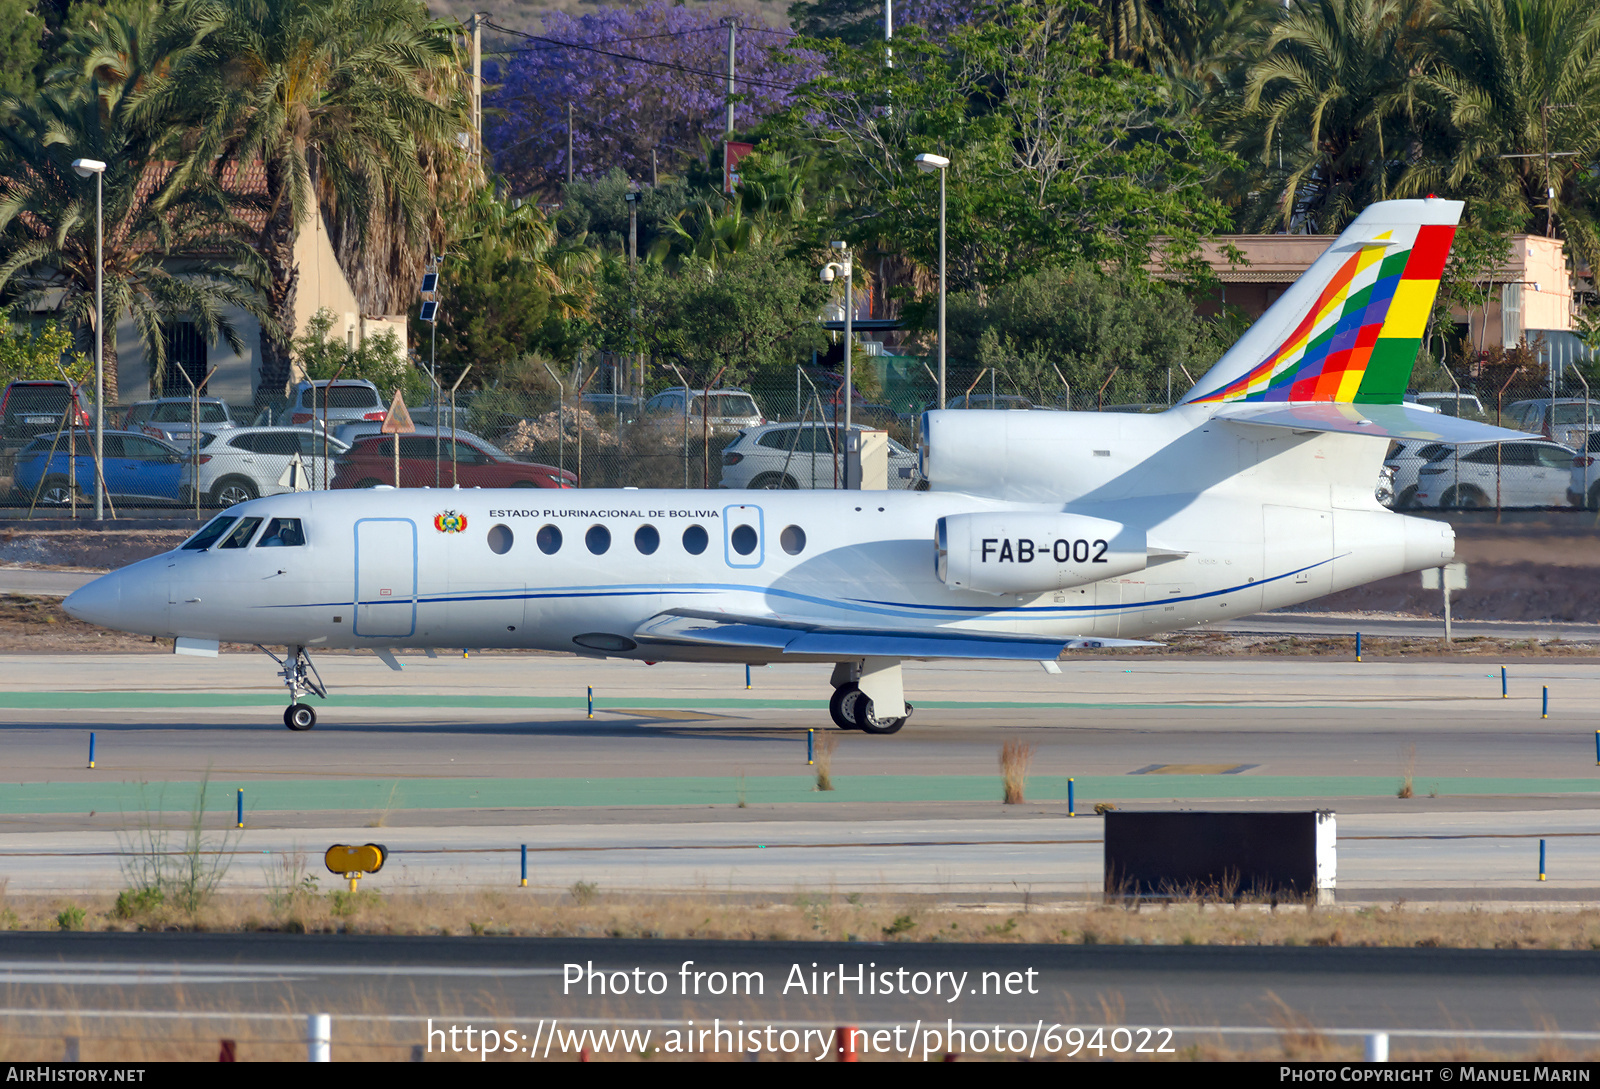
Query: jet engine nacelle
(1034, 552)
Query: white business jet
(1041, 531)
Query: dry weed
(1408, 765)
(827, 742)
(1015, 759)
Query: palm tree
(348, 106)
(1520, 78)
(186, 260)
(1329, 111)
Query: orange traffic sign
(398, 421)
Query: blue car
(138, 469)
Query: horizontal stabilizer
(1380, 421)
(799, 636)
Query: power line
(754, 81)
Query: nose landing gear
(300, 677)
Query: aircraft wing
(797, 635)
(1379, 421)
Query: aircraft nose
(99, 602)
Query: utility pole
(733, 38)
(653, 181)
(569, 143)
(476, 26)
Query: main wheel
(858, 706)
(300, 716)
(836, 706)
(233, 490)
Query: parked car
(168, 418)
(795, 455)
(727, 410)
(1561, 419)
(137, 468)
(348, 399)
(1450, 403)
(1002, 401)
(29, 408)
(619, 406)
(1507, 474)
(1405, 460)
(1583, 490)
(477, 464)
(243, 463)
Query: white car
(1530, 473)
(1584, 488)
(245, 463)
(1562, 419)
(800, 455)
(168, 418)
(1453, 404)
(1406, 459)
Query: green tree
(1330, 110)
(1079, 324)
(184, 260)
(344, 105)
(20, 49)
(377, 359)
(509, 286)
(1519, 78)
(1057, 153)
(45, 352)
(753, 312)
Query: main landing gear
(853, 709)
(300, 676)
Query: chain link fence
(671, 438)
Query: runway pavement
(465, 760)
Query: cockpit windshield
(209, 533)
(240, 537)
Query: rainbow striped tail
(1349, 330)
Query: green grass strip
(113, 796)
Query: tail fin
(1348, 331)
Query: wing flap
(798, 636)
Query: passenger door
(386, 577)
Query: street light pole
(85, 167)
(927, 163)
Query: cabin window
(549, 540)
(743, 540)
(793, 539)
(500, 539)
(695, 539)
(282, 533)
(209, 533)
(646, 539)
(240, 537)
(598, 539)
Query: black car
(33, 407)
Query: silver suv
(726, 410)
(349, 399)
(168, 418)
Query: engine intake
(1027, 552)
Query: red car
(370, 462)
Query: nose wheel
(300, 677)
